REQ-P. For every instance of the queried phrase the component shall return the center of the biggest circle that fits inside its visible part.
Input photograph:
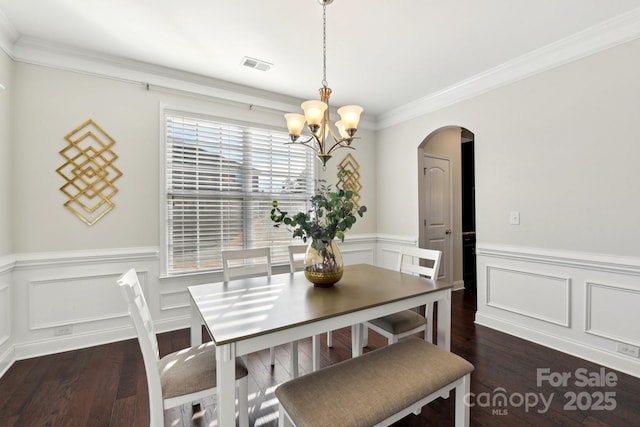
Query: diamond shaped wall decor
(89, 172)
(349, 177)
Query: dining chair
(181, 377)
(408, 322)
(239, 263)
(296, 262)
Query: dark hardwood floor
(106, 386)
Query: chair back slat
(296, 262)
(140, 314)
(237, 263)
(419, 261)
(143, 323)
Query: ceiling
(380, 54)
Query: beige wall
(50, 103)
(541, 146)
(6, 240)
(364, 153)
(559, 147)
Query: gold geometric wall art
(89, 172)
(349, 177)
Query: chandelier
(324, 140)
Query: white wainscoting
(388, 249)
(530, 294)
(578, 303)
(621, 324)
(92, 298)
(582, 304)
(6, 340)
(70, 300)
(5, 314)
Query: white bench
(377, 388)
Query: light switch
(514, 218)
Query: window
(220, 180)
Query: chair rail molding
(7, 264)
(69, 258)
(587, 261)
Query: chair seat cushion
(368, 389)
(191, 370)
(400, 322)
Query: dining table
(247, 315)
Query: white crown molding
(8, 34)
(152, 77)
(40, 52)
(610, 33)
(615, 31)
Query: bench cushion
(368, 389)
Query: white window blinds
(221, 178)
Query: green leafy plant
(331, 215)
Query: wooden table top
(244, 308)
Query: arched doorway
(447, 202)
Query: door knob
(448, 231)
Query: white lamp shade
(350, 115)
(342, 130)
(295, 123)
(314, 111)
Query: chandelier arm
(343, 143)
(332, 132)
(300, 142)
(317, 147)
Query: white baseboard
(577, 349)
(75, 342)
(72, 342)
(7, 360)
(172, 324)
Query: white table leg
(356, 339)
(429, 335)
(196, 326)
(226, 373)
(294, 359)
(315, 349)
(444, 321)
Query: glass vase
(323, 265)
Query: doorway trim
(437, 143)
(423, 214)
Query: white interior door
(437, 209)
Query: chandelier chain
(324, 140)
(324, 45)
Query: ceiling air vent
(256, 63)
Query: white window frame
(166, 271)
